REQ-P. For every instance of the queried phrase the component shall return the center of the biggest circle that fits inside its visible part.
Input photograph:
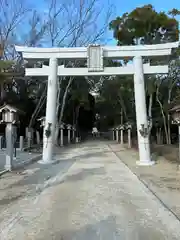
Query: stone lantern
(69, 127)
(121, 128)
(175, 114)
(113, 133)
(117, 133)
(10, 117)
(128, 126)
(62, 126)
(73, 132)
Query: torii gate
(95, 54)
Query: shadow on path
(50, 175)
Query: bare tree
(12, 13)
(67, 23)
(37, 29)
(77, 22)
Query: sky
(159, 5)
(122, 6)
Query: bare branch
(12, 13)
(37, 30)
(77, 22)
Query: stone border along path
(23, 159)
(97, 198)
(31, 156)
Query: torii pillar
(50, 124)
(141, 115)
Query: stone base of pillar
(8, 168)
(9, 164)
(53, 161)
(145, 163)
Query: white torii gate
(95, 54)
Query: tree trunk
(121, 116)
(57, 113)
(150, 112)
(38, 107)
(159, 135)
(62, 108)
(64, 99)
(163, 116)
(168, 117)
(123, 107)
(2, 92)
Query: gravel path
(97, 198)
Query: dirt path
(97, 197)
